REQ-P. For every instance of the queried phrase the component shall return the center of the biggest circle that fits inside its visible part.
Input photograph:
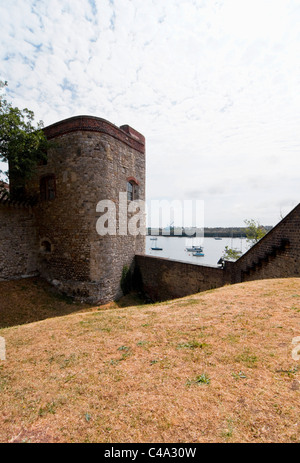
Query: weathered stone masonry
(276, 255)
(18, 238)
(90, 160)
(164, 279)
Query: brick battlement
(125, 133)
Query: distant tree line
(209, 232)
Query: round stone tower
(89, 163)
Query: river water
(174, 248)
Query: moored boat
(154, 247)
(194, 248)
(198, 254)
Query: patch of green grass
(105, 329)
(247, 358)
(86, 323)
(227, 433)
(126, 353)
(87, 417)
(63, 361)
(232, 338)
(290, 372)
(126, 348)
(113, 362)
(199, 380)
(207, 291)
(142, 343)
(239, 375)
(153, 362)
(4, 380)
(51, 407)
(70, 377)
(192, 345)
(188, 303)
(96, 324)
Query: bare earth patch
(211, 367)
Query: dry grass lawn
(212, 367)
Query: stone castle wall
(18, 238)
(277, 255)
(164, 279)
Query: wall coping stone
(166, 259)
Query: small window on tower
(47, 188)
(132, 190)
(129, 191)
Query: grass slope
(212, 367)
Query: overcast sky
(213, 85)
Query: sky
(213, 85)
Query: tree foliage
(22, 144)
(254, 231)
(231, 254)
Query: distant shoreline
(218, 232)
(198, 236)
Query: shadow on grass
(34, 299)
(131, 299)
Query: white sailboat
(155, 247)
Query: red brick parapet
(125, 133)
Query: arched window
(47, 188)
(132, 189)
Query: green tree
(231, 254)
(254, 231)
(22, 144)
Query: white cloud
(213, 86)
